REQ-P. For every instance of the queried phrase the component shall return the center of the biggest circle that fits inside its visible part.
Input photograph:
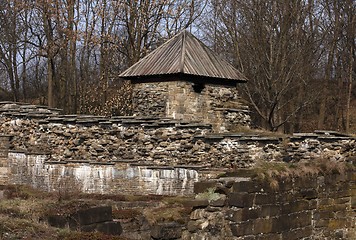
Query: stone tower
(183, 79)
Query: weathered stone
(262, 225)
(308, 193)
(166, 231)
(240, 199)
(234, 215)
(264, 198)
(246, 186)
(197, 203)
(110, 228)
(197, 214)
(295, 206)
(242, 229)
(219, 202)
(291, 221)
(91, 216)
(270, 210)
(193, 226)
(203, 186)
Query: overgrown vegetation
(273, 172)
(24, 210)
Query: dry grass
(23, 212)
(18, 228)
(273, 172)
(167, 214)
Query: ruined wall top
(158, 141)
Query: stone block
(234, 215)
(333, 208)
(201, 224)
(270, 236)
(242, 229)
(342, 200)
(203, 186)
(166, 231)
(321, 223)
(241, 199)
(270, 210)
(300, 233)
(339, 194)
(265, 199)
(193, 226)
(109, 228)
(198, 214)
(90, 216)
(308, 194)
(250, 213)
(219, 202)
(288, 222)
(285, 197)
(339, 223)
(325, 201)
(296, 206)
(246, 186)
(262, 226)
(317, 215)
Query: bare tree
(273, 45)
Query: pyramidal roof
(184, 55)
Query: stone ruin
(181, 141)
(185, 80)
(155, 155)
(186, 107)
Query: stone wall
(310, 207)
(4, 148)
(217, 105)
(158, 141)
(156, 147)
(82, 176)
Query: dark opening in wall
(198, 87)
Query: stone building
(184, 80)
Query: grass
(167, 214)
(273, 172)
(24, 210)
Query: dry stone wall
(136, 155)
(159, 141)
(151, 152)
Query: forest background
(299, 55)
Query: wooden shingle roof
(186, 57)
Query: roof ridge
(182, 59)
